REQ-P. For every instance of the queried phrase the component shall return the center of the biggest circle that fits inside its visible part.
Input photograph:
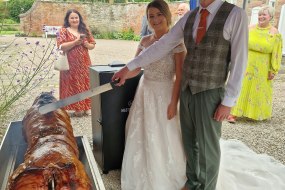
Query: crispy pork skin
(51, 160)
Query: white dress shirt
(235, 30)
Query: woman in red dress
(75, 40)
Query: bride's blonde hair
(163, 7)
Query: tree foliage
(17, 7)
(3, 9)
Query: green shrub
(124, 35)
(9, 21)
(21, 34)
(8, 32)
(9, 28)
(137, 38)
(16, 7)
(3, 11)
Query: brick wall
(103, 17)
(278, 5)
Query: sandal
(87, 112)
(78, 113)
(70, 113)
(231, 119)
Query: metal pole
(244, 4)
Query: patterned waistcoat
(206, 64)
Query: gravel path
(263, 137)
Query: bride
(153, 157)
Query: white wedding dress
(154, 157)
(243, 169)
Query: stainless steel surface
(13, 148)
(75, 98)
(52, 184)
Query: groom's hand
(222, 113)
(121, 76)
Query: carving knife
(76, 98)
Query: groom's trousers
(201, 135)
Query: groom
(216, 37)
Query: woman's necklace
(158, 36)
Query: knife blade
(76, 98)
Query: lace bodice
(163, 69)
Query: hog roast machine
(13, 148)
(109, 114)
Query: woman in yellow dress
(264, 59)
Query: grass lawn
(9, 32)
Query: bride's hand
(121, 76)
(171, 111)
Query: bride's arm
(135, 72)
(172, 107)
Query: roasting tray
(13, 148)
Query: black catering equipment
(109, 113)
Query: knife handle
(113, 83)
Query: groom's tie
(202, 25)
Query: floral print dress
(76, 79)
(265, 54)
